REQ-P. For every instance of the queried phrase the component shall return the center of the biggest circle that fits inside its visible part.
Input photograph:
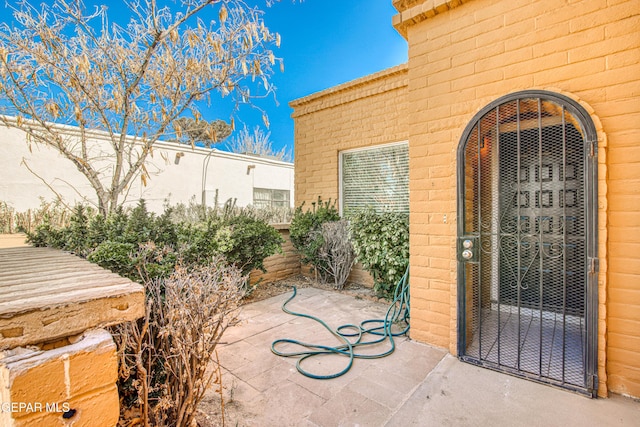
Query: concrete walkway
(418, 385)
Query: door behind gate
(527, 241)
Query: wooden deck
(47, 294)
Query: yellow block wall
(79, 377)
(279, 266)
(365, 112)
(465, 55)
(362, 113)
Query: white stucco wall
(232, 175)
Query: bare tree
(61, 64)
(258, 143)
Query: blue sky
(324, 43)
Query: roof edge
(11, 121)
(412, 12)
(402, 5)
(398, 69)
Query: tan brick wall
(467, 54)
(282, 265)
(80, 376)
(464, 54)
(362, 113)
(358, 275)
(286, 264)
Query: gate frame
(591, 219)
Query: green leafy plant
(243, 240)
(116, 256)
(195, 274)
(248, 241)
(381, 243)
(124, 241)
(76, 237)
(46, 234)
(306, 233)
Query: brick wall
(368, 111)
(79, 377)
(362, 113)
(282, 265)
(464, 55)
(286, 264)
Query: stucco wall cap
(100, 135)
(47, 294)
(414, 11)
(398, 69)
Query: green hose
(352, 335)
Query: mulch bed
(268, 290)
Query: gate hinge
(593, 147)
(594, 265)
(592, 383)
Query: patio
(416, 385)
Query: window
(268, 198)
(376, 177)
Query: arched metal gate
(527, 240)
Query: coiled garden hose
(353, 336)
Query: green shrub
(46, 234)
(306, 233)
(197, 268)
(140, 245)
(243, 240)
(381, 243)
(118, 257)
(76, 234)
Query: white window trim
(271, 190)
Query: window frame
(286, 201)
(341, 154)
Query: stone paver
(417, 385)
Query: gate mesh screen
(524, 200)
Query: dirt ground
(210, 408)
(268, 290)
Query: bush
(53, 213)
(74, 237)
(306, 235)
(164, 358)
(140, 245)
(46, 234)
(244, 241)
(195, 274)
(116, 256)
(337, 251)
(116, 242)
(381, 243)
